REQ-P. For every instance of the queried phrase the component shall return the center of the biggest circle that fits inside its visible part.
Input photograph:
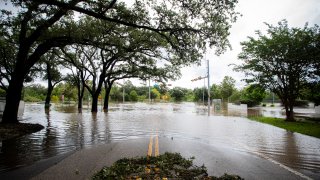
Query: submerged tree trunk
(106, 99)
(80, 96)
(48, 97)
(289, 110)
(10, 114)
(94, 105)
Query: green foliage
(54, 98)
(183, 30)
(67, 89)
(189, 96)
(133, 95)
(215, 91)
(168, 165)
(227, 87)
(2, 93)
(29, 98)
(306, 127)
(155, 94)
(178, 93)
(142, 98)
(311, 92)
(200, 94)
(283, 60)
(142, 90)
(34, 93)
(236, 96)
(253, 95)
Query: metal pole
(208, 89)
(204, 86)
(149, 92)
(272, 97)
(123, 98)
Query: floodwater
(67, 130)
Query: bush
(133, 95)
(142, 98)
(264, 105)
(272, 105)
(31, 99)
(2, 93)
(249, 102)
(54, 98)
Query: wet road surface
(66, 130)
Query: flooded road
(66, 130)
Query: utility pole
(208, 75)
(204, 87)
(123, 98)
(149, 92)
(272, 97)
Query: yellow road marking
(150, 147)
(156, 147)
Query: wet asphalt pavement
(84, 163)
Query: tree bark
(80, 95)
(94, 105)
(50, 87)
(289, 110)
(10, 114)
(106, 99)
(48, 98)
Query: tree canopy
(283, 60)
(184, 29)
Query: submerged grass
(303, 127)
(165, 166)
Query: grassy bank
(305, 127)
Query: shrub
(31, 99)
(133, 95)
(54, 98)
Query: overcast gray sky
(254, 14)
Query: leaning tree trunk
(10, 114)
(106, 100)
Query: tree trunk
(106, 100)
(48, 98)
(80, 96)
(94, 105)
(10, 114)
(290, 116)
(289, 111)
(79, 102)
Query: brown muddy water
(67, 130)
